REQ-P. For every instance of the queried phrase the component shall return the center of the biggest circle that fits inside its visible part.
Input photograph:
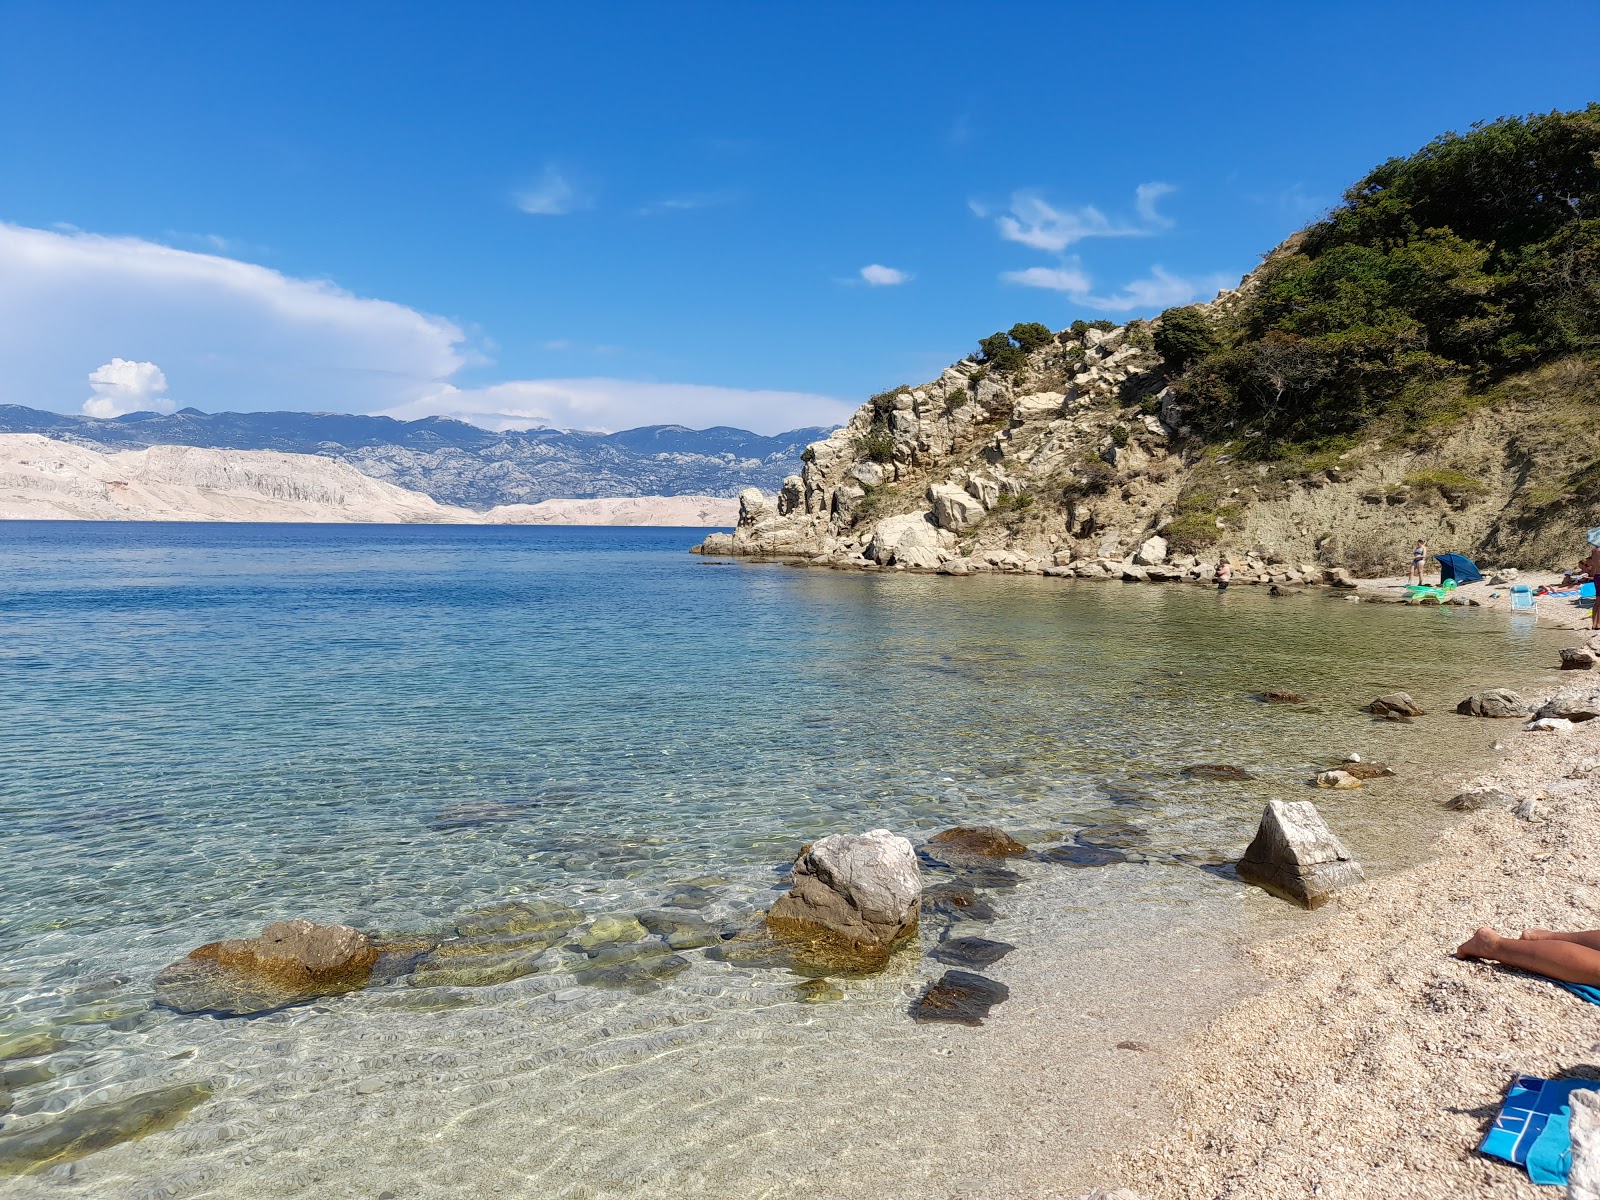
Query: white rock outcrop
(911, 540)
(1296, 856)
(954, 509)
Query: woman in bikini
(1419, 559)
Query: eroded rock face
(290, 962)
(1495, 702)
(1396, 704)
(1296, 856)
(911, 540)
(976, 841)
(954, 508)
(853, 895)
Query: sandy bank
(1375, 1062)
(1561, 612)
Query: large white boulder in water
(1296, 856)
(909, 541)
(860, 892)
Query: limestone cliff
(1083, 462)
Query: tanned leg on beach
(1552, 957)
(1581, 937)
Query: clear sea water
(209, 727)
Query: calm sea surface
(206, 728)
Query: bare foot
(1537, 933)
(1480, 945)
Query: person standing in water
(1224, 573)
(1419, 559)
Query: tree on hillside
(1184, 336)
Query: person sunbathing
(1571, 957)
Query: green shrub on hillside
(1001, 353)
(1184, 336)
(1030, 335)
(1476, 256)
(878, 446)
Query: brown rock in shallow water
(1281, 696)
(1396, 704)
(1296, 856)
(1222, 772)
(982, 841)
(292, 961)
(1337, 779)
(1496, 702)
(83, 1130)
(959, 997)
(1366, 770)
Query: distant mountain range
(457, 463)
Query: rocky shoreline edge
(1376, 1060)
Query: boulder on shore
(1578, 658)
(290, 962)
(1572, 704)
(1495, 702)
(854, 899)
(1396, 704)
(1296, 856)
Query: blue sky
(612, 215)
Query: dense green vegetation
(1008, 351)
(1476, 257)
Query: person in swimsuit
(1419, 559)
(1223, 574)
(1569, 957)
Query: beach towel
(1533, 1129)
(1594, 536)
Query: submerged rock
(956, 902)
(680, 931)
(607, 930)
(853, 896)
(1337, 779)
(1281, 696)
(1366, 770)
(977, 841)
(1296, 856)
(290, 962)
(817, 991)
(1219, 772)
(970, 951)
(83, 1130)
(30, 1045)
(483, 961)
(638, 968)
(1396, 704)
(1495, 702)
(959, 997)
(1083, 854)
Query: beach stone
(1479, 799)
(854, 895)
(1339, 577)
(1583, 1179)
(1584, 768)
(1083, 854)
(1152, 553)
(970, 951)
(1495, 702)
(1549, 725)
(607, 930)
(956, 902)
(1572, 704)
(1295, 855)
(518, 917)
(1337, 779)
(818, 991)
(979, 841)
(1366, 770)
(82, 1130)
(959, 997)
(290, 962)
(1221, 772)
(1577, 658)
(1281, 696)
(1397, 704)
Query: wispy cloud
(1034, 221)
(1068, 277)
(554, 195)
(1160, 289)
(878, 275)
(690, 202)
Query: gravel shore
(1377, 1059)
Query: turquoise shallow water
(210, 727)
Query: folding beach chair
(1522, 597)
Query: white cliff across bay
(43, 479)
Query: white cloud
(121, 386)
(689, 202)
(1162, 289)
(553, 196)
(612, 404)
(1034, 222)
(229, 334)
(1144, 203)
(878, 275)
(1068, 277)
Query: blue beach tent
(1458, 567)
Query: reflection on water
(209, 728)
